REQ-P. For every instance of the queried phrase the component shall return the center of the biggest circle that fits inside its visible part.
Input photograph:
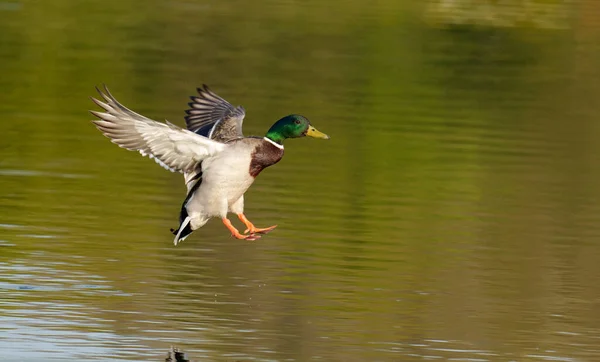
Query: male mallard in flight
(219, 164)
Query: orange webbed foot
(253, 229)
(236, 234)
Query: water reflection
(453, 214)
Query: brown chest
(264, 155)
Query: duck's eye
(297, 121)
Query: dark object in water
(175, 355)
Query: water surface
(453, 215)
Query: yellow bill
(313, 132)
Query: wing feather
(174, 148)
(212, 116)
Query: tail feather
(183, 231)
(185, 226)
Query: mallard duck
(218, 163)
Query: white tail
(181, 227)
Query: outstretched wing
(213, 117)
(174, 148)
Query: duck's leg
(235, 233)
(253, 229)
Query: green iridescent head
(293, 126)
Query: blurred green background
(452, 215)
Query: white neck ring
(273, 143)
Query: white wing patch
(173, 148)
(157, 160)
